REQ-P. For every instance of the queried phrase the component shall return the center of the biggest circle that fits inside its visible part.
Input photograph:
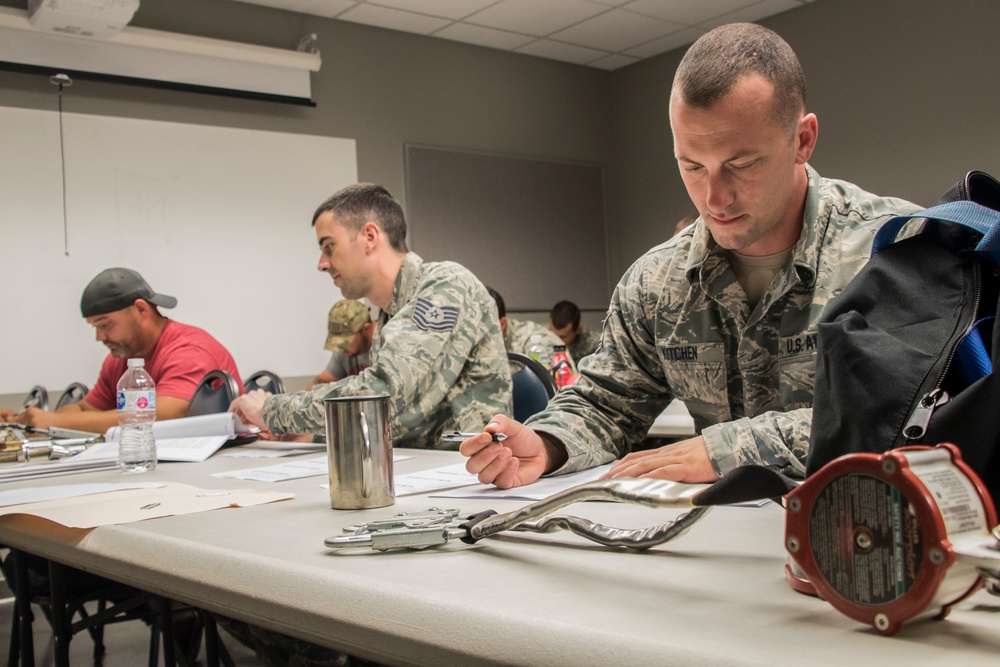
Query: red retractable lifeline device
(875, 535)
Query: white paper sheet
(140, 504)
(292, 470)
(218, 423)
(37, 494)
(10, 472)
(167, 449)
(537, 490)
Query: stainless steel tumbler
(359, 451)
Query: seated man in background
(437, 350)
(564, 321)
(349, 337)
(723, 315)
(518, 335)
(124, 311)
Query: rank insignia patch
(434, 318)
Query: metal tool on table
(439, 526)
(23, 443)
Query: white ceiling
(600, 33)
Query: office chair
(38, 397)
(265, 380)
(213, 394)
(73, 394)
(532, 385)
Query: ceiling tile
(664, 44)
(474, 34)
(326, 8)
(615, 30)
(685, 11)
(393, 19)
(534, 17)
(449, 9)
(613, 62)
(753, 13)
(546, 48)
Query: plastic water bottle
(136, 415)
(537, 350)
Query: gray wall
(903, 89)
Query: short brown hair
(357, 204)
(720, 58)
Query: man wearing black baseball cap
(124, 311)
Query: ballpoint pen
(457, 436)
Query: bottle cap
(132, 363)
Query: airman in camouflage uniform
(437, 353)
(586, 342)
(518, 333)
(723, 316)
(679, 327)
(564, 322)
(437, 350)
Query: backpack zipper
(920, 417)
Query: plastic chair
(265, 380)
(213, 394)
(73, 394)
(38, 397)
(532, 385)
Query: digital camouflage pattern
(586, 342)
(679, 327)
(517, 338)
(437, 353)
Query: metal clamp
(403, 531)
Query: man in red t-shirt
(124, 310)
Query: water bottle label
(137, 400)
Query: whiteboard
(217, 217)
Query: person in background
(564, 321)
(124, 311)
(518, 335)
(683, 223)
(437, 350)
(349, 337)
(723, 315)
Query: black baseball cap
(114, 289)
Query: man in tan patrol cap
(349, 337)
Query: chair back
(532, 385)
(38, 397)
(265, 380)
(213, 394)
(73, 394)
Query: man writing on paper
(437, 351)
(124, 311)
(723, 315)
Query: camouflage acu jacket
(437, 352)
(586, 343)
(517, 338)
(679, 327)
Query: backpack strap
(984, 220)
